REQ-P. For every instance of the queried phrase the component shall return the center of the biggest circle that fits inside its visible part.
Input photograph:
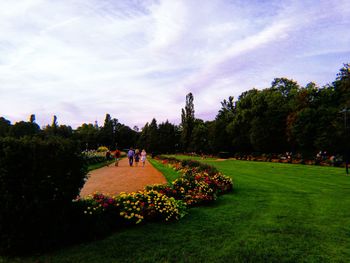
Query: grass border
(169, 174)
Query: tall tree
(107, 132)
(87, 134)
(54, 122)
(221, 139)
(187, 122)
(239, 128)
(32, 118)
(342, 86)
(167, 137)
(143, 141)
(22, 128)
(5, 126)
(199, 142)
(153, 137)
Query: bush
(93, 157)
(102, 149)
(38, 180)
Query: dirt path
(113, 180)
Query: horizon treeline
(284, 117)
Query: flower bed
(93, 157)
(135, 207)
(199, 183)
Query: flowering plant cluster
(198, 183)
(134, 207)
(150, 205)
(92, 157)
(97, 203)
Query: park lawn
(169, 174)
(276, 213)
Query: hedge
(38, 181)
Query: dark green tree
(167, 137)
(143, 141)
(239, 128)
(108, 132)
(87, 134)
(153, 137)
(187, 122)
(5, 126)
(200, 137)
(22, 128)
(32, 118)
(220, 138)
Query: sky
(137, 59)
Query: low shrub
(102, 149)
(93, 157)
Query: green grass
(277, 213)
(169, 174)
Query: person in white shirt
(143, 157)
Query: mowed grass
(277, 213)
(169, 174)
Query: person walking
(143, 157)
(108, 155)
(131, 156)
(137, 157)
(116, 156)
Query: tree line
(283, 117)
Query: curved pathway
(123, 178)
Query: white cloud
(137, 59)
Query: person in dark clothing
(137, 157)
(131, 154)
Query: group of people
(137, 156)
(132, 156)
